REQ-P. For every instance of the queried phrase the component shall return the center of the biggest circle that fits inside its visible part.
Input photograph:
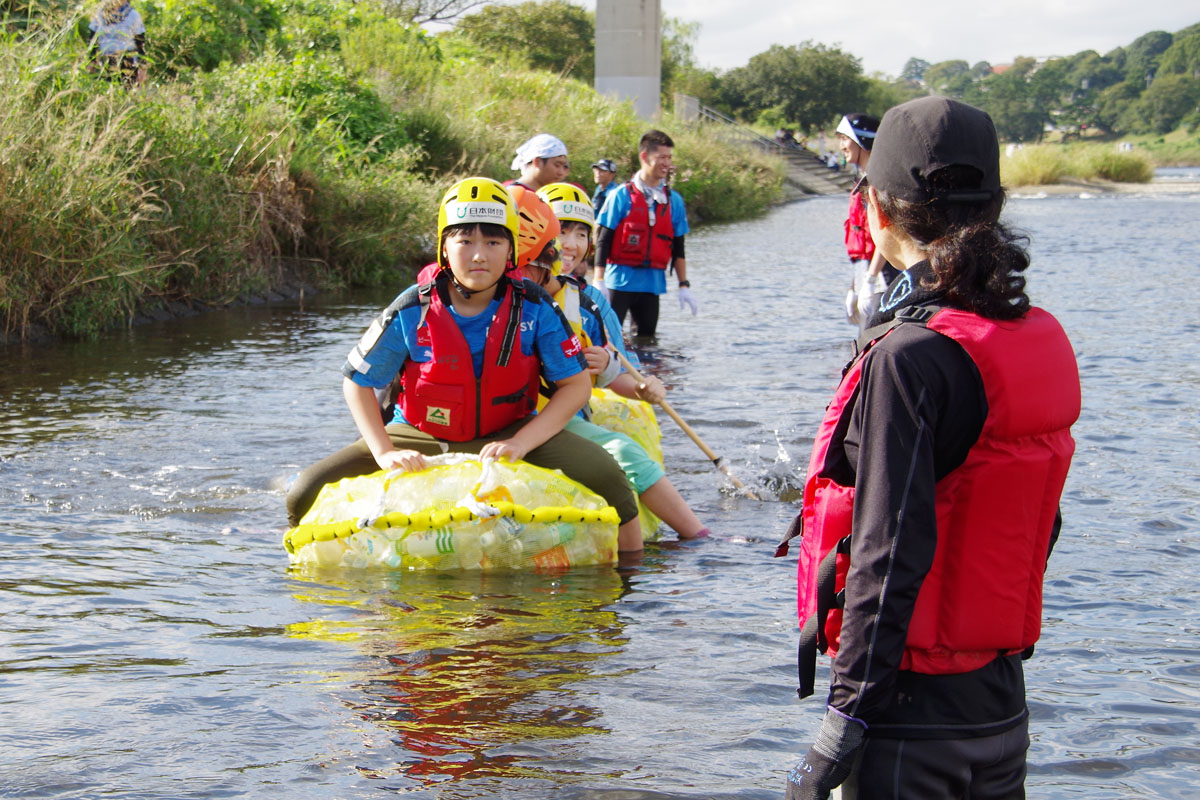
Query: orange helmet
(537, 226)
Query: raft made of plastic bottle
(458, 514)
(637, 420)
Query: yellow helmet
(477, 200)
(569, 202)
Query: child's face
(476, 258)
(573, 243)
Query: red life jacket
(635, 243)
(983, 594)
(859, 243)
(442, 396)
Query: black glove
(816, 776)
(829, 761)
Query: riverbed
(156, 645)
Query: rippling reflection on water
(155, 644)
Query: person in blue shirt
(508, 330)
(604, 172)
(118, 41)
(597, 326)
(640, 237)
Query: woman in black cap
(944, 450)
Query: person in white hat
(541, 161)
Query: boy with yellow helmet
(596, 325)
(470, 347)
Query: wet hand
(651, 390)
(597, 359)
(407, 460)
(510, 449)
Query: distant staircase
(806, 174)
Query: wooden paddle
(695, 437)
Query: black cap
(605, 164)
(924, 135)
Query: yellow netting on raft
(444, 518)
(637, 420)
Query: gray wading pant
(580, 460)
(987, 768)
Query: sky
(884, 34)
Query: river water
(155, 644)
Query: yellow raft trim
(304, 534)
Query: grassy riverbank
(322, 163)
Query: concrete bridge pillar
(629, 52)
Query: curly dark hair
(976, 259)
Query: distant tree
(1010, 100)
(419, 12)
(810, 83)
(981, 70)
(1088, 71)
(1142, 57)
(914, 69)
(1111, 105)
(553, 35)
(1168, 100)
(881, 94)
(948, 77)
(1183, 56)
(678, 53)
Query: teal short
(640, 469)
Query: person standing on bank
(640, 237)
(932, 498)
(118, 42)
(604, 172)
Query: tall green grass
(1039, 165)
(498, 108)
(73, 205)
(323, 163)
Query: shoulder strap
(590, 306)
(919, 315)
(513, 326)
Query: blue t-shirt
(638, 279)
(601, 193)
(114, 38)
(391, 340)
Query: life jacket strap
(794, 530)
(916, 314)
(513, 325)
(812, 635)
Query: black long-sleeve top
(919, 408)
